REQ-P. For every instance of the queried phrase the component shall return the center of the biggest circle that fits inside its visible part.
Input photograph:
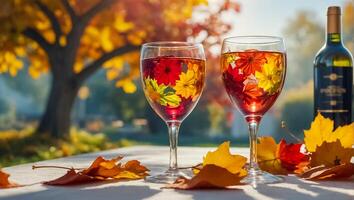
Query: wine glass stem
(173, 129)
(253, 128)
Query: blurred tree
(305, 36)
(348, 25)
(36, 91)
(4, 106)
(72, 39)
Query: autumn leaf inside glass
(253, 79)
(173, 85)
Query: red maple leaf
(290, 155)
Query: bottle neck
(334, 36)
(334, 39)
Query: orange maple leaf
(102, 169)
(211, 176)
(4, 181)
(220, 169)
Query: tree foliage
(72, 39)
(104, 29)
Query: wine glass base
(169, 176)
(256, 177)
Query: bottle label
(333, 89)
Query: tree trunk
(57, 115)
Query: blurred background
(69, 71)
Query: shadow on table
(215, 194)
(292, 189)
(86, 192)
(298, 189)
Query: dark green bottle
(333, 74)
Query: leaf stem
(192, 167)
(53, 166)
(283, 126)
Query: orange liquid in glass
(253, 80)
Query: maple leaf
(223, 158)
(102, 169)
(331, 154)
(211, 176)
(267, 155)
(4, 181)
(322, 172)
(329, 161)
(321, 130)
(331, 151)
(291, 155)
(220, 169)
(279, 158)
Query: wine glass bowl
(172, 75)
(253, 80)
(253, 72)
(173, 85)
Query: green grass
(18, 147)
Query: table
(156, 158)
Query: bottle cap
(333, 10)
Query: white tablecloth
(156, 158)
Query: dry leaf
(321, 172)
(331, 151)
(331, 154)
(211, 176)
(4, 181)
(72, 177)
(279, 158)
(223, 158)
(220, 169)
(291, 156)
(268, 158)
(321, 130)
(102, 169)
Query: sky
(269, 17)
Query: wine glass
(172, 75)
(253, 72)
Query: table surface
(156, 159)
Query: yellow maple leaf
(331, 154)
(345, 134)
(223, 158)
(321, 130)
(267, 155)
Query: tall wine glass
(172, 75)
(253, 72)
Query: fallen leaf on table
(102, 169)
(223, 158)
(322, 172)
(279, 158)
(321, 131)
(4, 181)
(331, 152)
(220, 169)
(211, 176)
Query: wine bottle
(333, 74)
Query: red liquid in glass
(173, 85)
(253, 80)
